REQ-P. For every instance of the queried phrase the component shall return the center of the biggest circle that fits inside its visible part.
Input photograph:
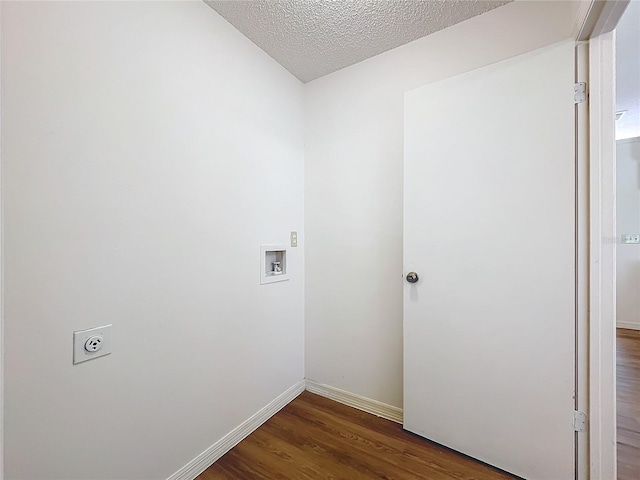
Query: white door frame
(1, 303)
(602, 257)
(582, 261)
(595, 28)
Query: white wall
(628, 72)
(628, 222)
(353, 190)
(148, 150)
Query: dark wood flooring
(316, 438)
(628, 395)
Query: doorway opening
(628, 243)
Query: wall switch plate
(294, 239)
(633, 238)
(91, 343)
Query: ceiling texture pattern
(312, 38)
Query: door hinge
(579, 421)
(580, 92)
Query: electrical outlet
(294, 239)
(91, 343)
(631, 238)
(94, 344)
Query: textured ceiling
(628, 72)
(312, 38)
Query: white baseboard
(203, 461)
(629, 325)
(356, 401)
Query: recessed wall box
(273, 264)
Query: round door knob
(412, 277)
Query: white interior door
(489, 226)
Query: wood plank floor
(628, 394)
(316, 438)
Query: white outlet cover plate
(80, 337)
